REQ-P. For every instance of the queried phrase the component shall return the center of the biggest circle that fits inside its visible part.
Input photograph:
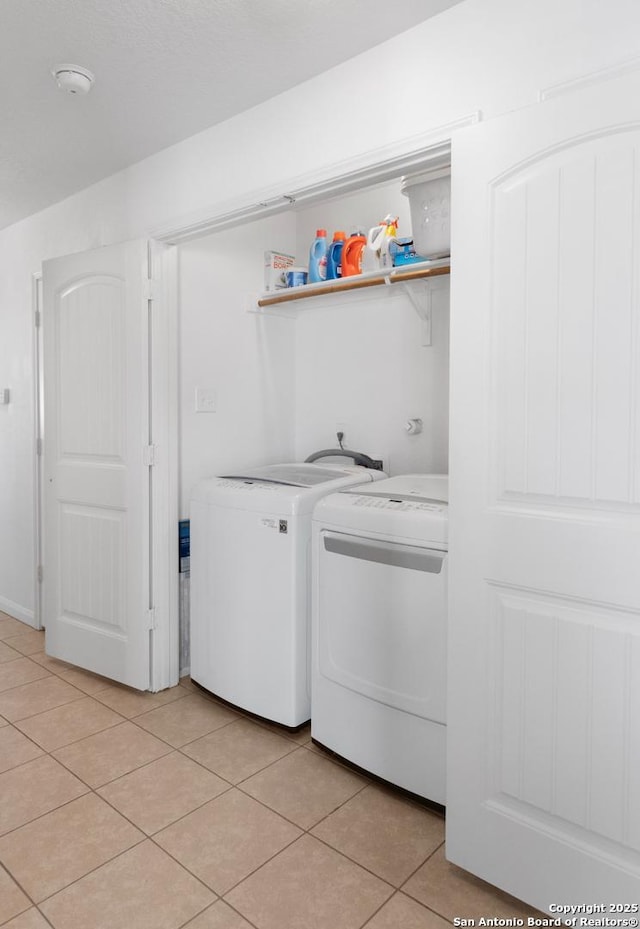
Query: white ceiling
(165, 69)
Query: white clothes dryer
(250, 584)
(379, 620)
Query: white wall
(248, 361)
(488, 55)
(360, 359)
(361, 365)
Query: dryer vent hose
(359, 458)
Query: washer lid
(295, 474)
(291, 488)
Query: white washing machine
(379, 617)
(250, 584)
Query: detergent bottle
(318, 257)
(371, 257)
(352, 254)
(386, 246)
(379, 240)
(334, 256)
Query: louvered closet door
(543, 788)
(96, 560)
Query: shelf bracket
(420, 294)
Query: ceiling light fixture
(73, 79)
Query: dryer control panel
(403, 507)
(398, 504)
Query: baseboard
(17, 612)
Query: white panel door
(97, 481)
(543, 789)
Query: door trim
(410, 155)
(164, 638)
(38, 426)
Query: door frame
(38, 412)
(411, 155)
(162, 298)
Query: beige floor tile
(227, 839)
(68, 723)
(30, 919)
(132, 703)
(452, 892)
(309, 885)
(70, 842)
(383, 832)
(304, 787)
(401, 912)
(51, 664)
(7, 653)
(219, 916)
(12, 899)
(3, 721)
(188, 684)
(186, 719)
(20, 671)
(27, 643)
(239, 750)
(107, 755)
(140, 889)
(33, 789)
(10, 626)
(85, 681)
(36, 697)
(162, 792)
(15, 748)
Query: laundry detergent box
(275, 264)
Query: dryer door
(382, 632)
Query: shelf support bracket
(420, 294)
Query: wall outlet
(383, 459)
(205, 400)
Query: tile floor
(121, 810)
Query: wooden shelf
(416, 272)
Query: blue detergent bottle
(334, 256)
(318, 257)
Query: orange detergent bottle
(352, 254)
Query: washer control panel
(231, 483)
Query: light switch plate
(205, 400)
